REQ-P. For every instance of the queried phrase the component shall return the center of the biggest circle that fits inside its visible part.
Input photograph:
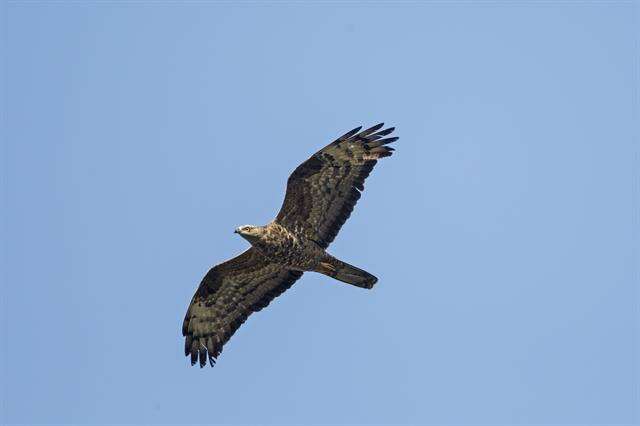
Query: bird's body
(321, 194)
(284, 247)
(294, 251)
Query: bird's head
(250, 233)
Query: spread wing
(322, 191)
(227, 295)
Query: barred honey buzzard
(320, 196)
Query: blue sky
(139, 135)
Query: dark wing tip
(370, 134)
(203, 356)
(386, 131)
(349, 134)
(371, 129)
(199, 354)
(187, 346)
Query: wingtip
(371, 129)
(356, 130)
(348, 134)
(386, 131)
(201, 358)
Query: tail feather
(344, 272)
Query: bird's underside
(321, 194)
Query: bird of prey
(320, 196)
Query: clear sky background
(139, 135)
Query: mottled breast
(288, 249)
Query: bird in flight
(320, 196)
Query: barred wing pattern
(227, 295)
(322, 191)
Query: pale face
(249, 232)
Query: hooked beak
(236, 231)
